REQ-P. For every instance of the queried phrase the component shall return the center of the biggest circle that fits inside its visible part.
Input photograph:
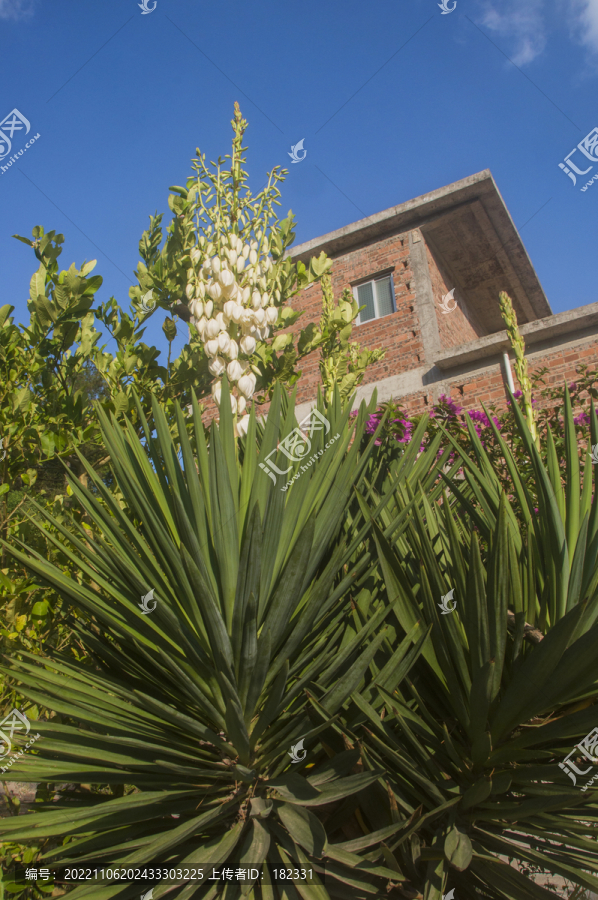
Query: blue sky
(392, 98)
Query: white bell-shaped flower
(272, 315)
(190, 291)
(252, 257)
(211, 347)
(232, 258)
(223, 341)
(240, 264)
(213, 329)
(196, 308)
(233, 350)
(195, 255)
(208, 308)
(239, 246)
(226, 278)
(247, 344)
(234, 370)
(238, 312)
(233, 403)
(201, 327)
(200, 290)
(241, 407)
(216, 265)
(216, 392)
(246, 385)
(219, 317)
(260, 316)
(265, 299)
(246, 294)
(256, 300)
(242, 424)
(214, 290)
(217, 366)
(246, 250)
(229, 308)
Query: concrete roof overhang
(471, 234)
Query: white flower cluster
(232, 310)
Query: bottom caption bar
(269, 874)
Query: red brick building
(402, 262)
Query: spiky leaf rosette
(187, 714)
(473, 738)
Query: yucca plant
(184, 717)
(475, 737)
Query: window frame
(379, 277)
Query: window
(377, 296)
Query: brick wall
(398, 334)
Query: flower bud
(208, 308)
(240, 264)
(232, 256)
(246, 250)
(190, 274)
(246, 295)
(216, 265)
(252, 257)
(216, 365)
(272, 315)
(190, 291)
(223, 341)
(265, 299)
(234, 370)
(239, 246)
(256, 300)
(211, 347)
(200, 290)
(195, 255)
(247, 344)
(233, 350)
(246, 385)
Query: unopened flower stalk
(521, 369)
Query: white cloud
(15, 9)
(526, 24)
(586, 21)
